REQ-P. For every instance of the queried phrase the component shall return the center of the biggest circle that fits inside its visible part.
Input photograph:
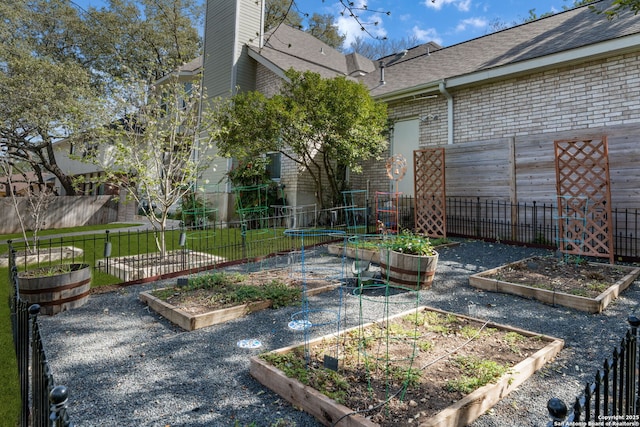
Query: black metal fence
(132, 256)
(612, 399)
(531, 224)
(43, 403)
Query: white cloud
(461, 5)
(471, 22)
(426, 35)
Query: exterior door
(406, 137)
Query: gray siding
(230, 26)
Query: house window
(274, 166)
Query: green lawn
(44, 233)
(9, 384)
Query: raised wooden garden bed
(426, 404)
(136, 267)
(193, 319)
(550, 290)
(355, 253)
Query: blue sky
(446, 22)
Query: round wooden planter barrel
(56, 292)
(408, 271)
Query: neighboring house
(69, 157)
(237, 56)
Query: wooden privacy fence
(65, 211)
(522, 169)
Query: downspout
(443, 90)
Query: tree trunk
(52, 166)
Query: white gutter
(443, 90)
(415, 91)
(607, 48)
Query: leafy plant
(194, 211)
(290, 363)
(376, 244)
(471, 332)
(408, 242)
(231, 289)
(425, 345)
(213, 280)
(399, 331)
(512, 339)
(476, 373)
(252, 171)
(51, 270)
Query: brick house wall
(597, 93)
(599, 97)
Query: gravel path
(127, 366)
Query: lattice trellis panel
(584, 198)
(430, 196)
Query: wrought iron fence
(42, 403)
(133, 256)
(612, 399)
(530, 224)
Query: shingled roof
(423, 67)
(286, 47)
(557, 33)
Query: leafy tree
(323, 125)
(376, 49)
(161, 150)
(280, 11)
(45, 90)
(142, 39)
(324, 29)
(621, 5)
(60, 66)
